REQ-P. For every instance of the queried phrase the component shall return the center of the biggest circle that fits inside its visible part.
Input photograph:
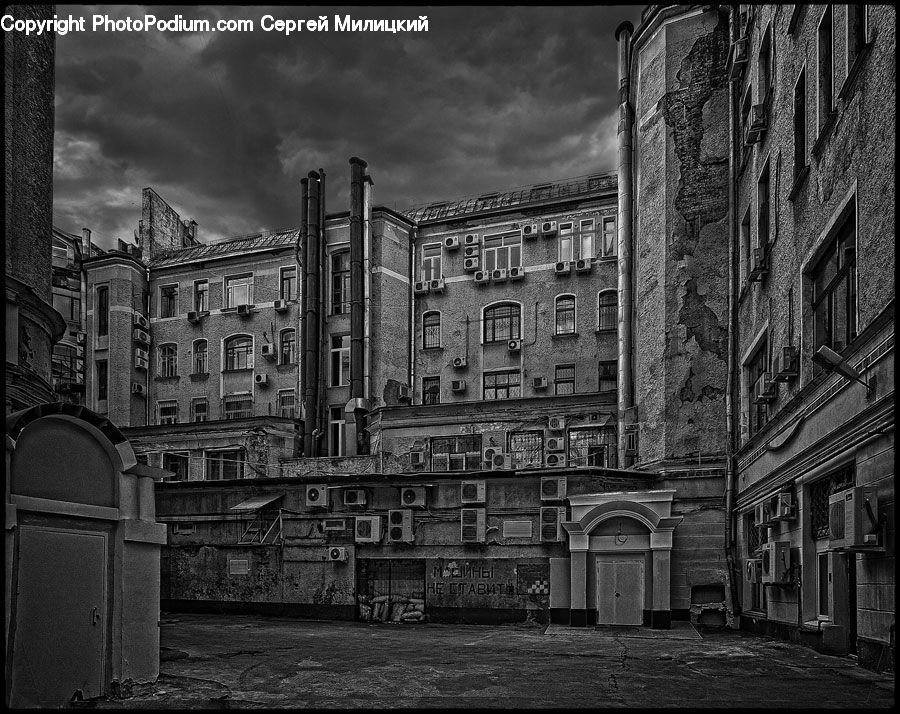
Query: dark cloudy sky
(224, 125)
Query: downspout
(303, 262)
(322, 413)
(357, 406)
(730, 438)
(312, 312)
(411, 376)
(624, 240)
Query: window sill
(199, 376)
(606, 330)
(171, 378)
(850, 82)
(824, 134)
(434, 348)
(237, 371)
(563, 335)
(606, 259)
(799, 183)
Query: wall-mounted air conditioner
(367, 529)
(403, 394)
(138, 388)
(337, 553)
(141, 336)
(753, 570)
(451, 242)
(548, 228)
(514, 345)
(354, 496)
(316, 495)
(437, 285)
(563, 267)
(268, 350)
(261, 380)
(789, 366)
(472, 251)
(556, 423)
(776, 561)
(412, 496)
(482, 277)
(556, 443)
(141, 321)
(460, 363)
(458, 385)
(498, 275)
(472, 264)
(530, 230)
(472, 491)
(244, 310)
(553, 488)
(422, 287)
(785, 508)
(400, 525)
(501, 461)
(853, 520)
(554, 460)
(417, 458)
(471, 239)
(472, 525)
(539, 383)
(517, 272)
(281, 305)
(551, 523)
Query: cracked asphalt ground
(219, 661)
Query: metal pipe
(302, 253)
(357, 283)
(322, 268)
(412, 315)
(624, 240)
(311, 327)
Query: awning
(257, 502)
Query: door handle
(95, 615)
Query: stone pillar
(578, 590)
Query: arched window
(288, 346)
(239, 352)
(201, 357)
(565, 315)
(168, 360)
(607, 309)
(502, 322)
(431, 329)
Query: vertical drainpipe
(357, 286)
(311, 327)
(322, 411)
(302, 256)
(624, 239)
(411, 379)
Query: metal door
(620, 592)
(60, 616)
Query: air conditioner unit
(334, 524)
(281, 305)
(583, 265)
(472, 525)
(138, 388)
(517, 272)
(422, 287)
(472, 491)
(753, 570)
(244, 310)
(556, 443)
(460, 362)
(471, 239)
(417, 458)
(403, 393)
(556, 423)
(268, 350)
(337, 553)
(412, 496)
(563, 267)
(765, 390)
(142, 336)
(789, 366)
(141, 321)
(738, 56)
(261, 379)
(758, 123)
(194, 317)
(551, 523)
(367, 529)
(437, 285)
(472, 264)
(553, 460)
(473, 251)
(760, 265)
(548, 228)
(400, 525)
(354, 496)
(140, 362)
(853, 518)
(530, 230)
(776, 561)
(458, 385)
(785, 508)
(502, 461)
(539, 383)
(553, 488)
(514, 345)
(451, 242)
(487, 455)
(482, 277)
(498, 275)
(316, 495)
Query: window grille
(456, 453)
(819, 492)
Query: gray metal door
(60, 616)
(620, 592)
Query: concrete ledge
(280, 609)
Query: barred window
(456, 453)
(607, 310)
(608, 376)
(286, 403)
(288, 346)
(593, 446)
(238, 406)
(752, 534)
(431, 330)
(819, 493)
(167, 412)
(431, 390)
(501, 323)
(564, 381)
(199, 409)
(565, 315)
(239, 352)
(201, 357)
(527, 448)
(503, 385)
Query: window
(609, 239)
(607, 310)
(222, 465)
(431, 330)
(502, 385)
(201, 296)
(747, 252)
(826, 69)
(565, 315)
(586, 239)
(340, 283)
(819, 493)
(177, 462)
(431, 390)
(758, 365)
(287, 403)
(800, 125)
(456, 453)
(239, 290)
(746, 103)
(566, 242)
(102, 311)
(501, 323)
(237, 406)
(504, 251)
(168, 301)
(856, 33)
(102, 380)
(527, 448)
(431, 261)
(565, 379)
(834, 288)
(592, 446)
(340, 361)
(67, 306)
(201, 357)
(168, 360)
(823, 578)
(239, 352)
(288, 289)
(199, 409)
(65, 363)
(337, 432)
(762, 202)
(608, 377)
(288, 352)
(764, 66)
(167, 412)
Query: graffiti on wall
(487, 583)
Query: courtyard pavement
(234, 661)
